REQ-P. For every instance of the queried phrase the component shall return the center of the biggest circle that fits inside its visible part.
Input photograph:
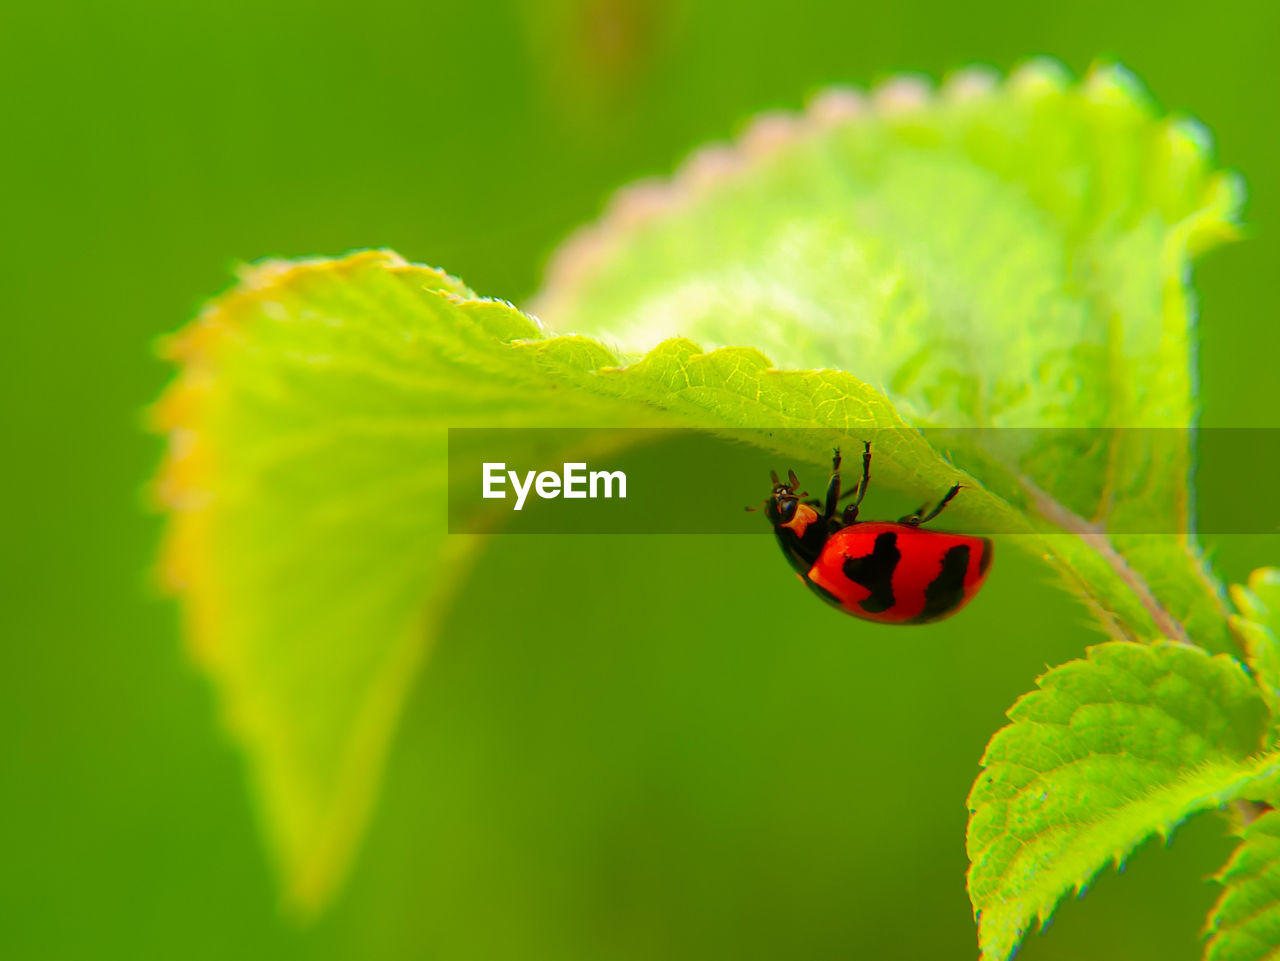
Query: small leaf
(1258, 625)
(1245, 923)
(1108, 752)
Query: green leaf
(1245, 923)
(1108, 752)
(1258, 626)
(989, 256)
(304, 477)
(306, 483)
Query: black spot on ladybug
(874, 571)
(946, 591)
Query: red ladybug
(892, 573)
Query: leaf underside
(306, 486)
(991, 255)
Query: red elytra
(883, 571)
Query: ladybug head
(780, 505)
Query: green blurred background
(687, 757)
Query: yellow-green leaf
(1108, 752)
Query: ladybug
(883, 571)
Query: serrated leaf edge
(1258, 779)
(711, 165)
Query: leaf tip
(1110, 81)
(970, 84)
(770, 131)
(831, 107)
(1038, 76)
(904, 93)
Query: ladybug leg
(833, 488)
(918, 520)
(859, 492)
(913, 519)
